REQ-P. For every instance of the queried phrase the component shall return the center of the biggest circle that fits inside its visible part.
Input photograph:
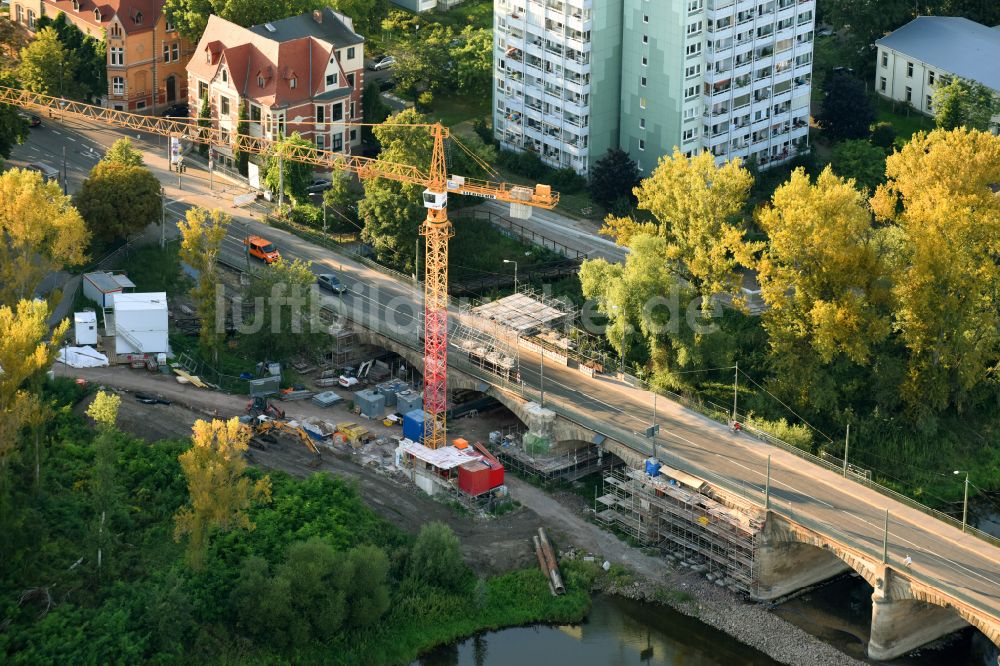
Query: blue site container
(413, 425)
(653, 467)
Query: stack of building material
(326, 399)
(370, 403)
(301, 394)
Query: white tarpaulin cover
(82, 357)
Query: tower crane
(436, 228)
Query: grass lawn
(906, 120)
(453, 109)
(477, 13)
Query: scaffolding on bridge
(677, 514)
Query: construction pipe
(551, 564)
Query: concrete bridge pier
(785, 565)
(902, 623)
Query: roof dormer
(76, 5)
(97, 15)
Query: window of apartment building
(255, 114)
(909, 69)
(642, 144)
(642, 81)
(350, 53)
(354, 135)
(909, 94)
(693, 49)
(225, 75)
(97, 15)
(260, 81)
(645, 39)
(645, 61)
(20, 14)
(930, 78)
(175, 50)
(642, 102)
(350, 80)
(690, 113)
(320, 113)
(694, 28)
(337, 141)
(645, 18)
(31, 19)
(690, 92)
(928, 103)
(223, 105)
(116, 30)
(320, 141)
(642, 123)
(336, 113)
(351, 117)
(118, 85)
(692, 70)
(170, 27)
(688, 135)
(331, 79)
(138, 18)
(885, 58)
(117, 55)
(166, 52)
(694, 5)
(292, 82)
(202, 90)
(881, 83)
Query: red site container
(476, 478)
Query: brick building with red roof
(301, 74)
(145, 54)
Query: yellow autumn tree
(941, 196)
(26, 348)
(696, 205)
(219, 493)
(202, 232)
(823, 278)
(41, 231)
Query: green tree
(883, 135)
(392, 211)
(436, 558)
(289, 321)
(847, 111)
(946, 277)
(366, 587)
(262, 604)
(48, 67)
(423, 60)
(43, 233)
(13, 127)
(202, 232)
(963, 103)
(860, 160)
(204, 121)
(240, 157)
(105, 489)
(374, 110)
(823, 276)
(117, 200)
(296, 175)
(366, 14)
(696, 207)
(219, 495)
(91, 54)
(122, 153)
(472, 59)
(613, 178)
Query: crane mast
(436, 228)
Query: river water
(617, 632)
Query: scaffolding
(677, 516)
(569, 466)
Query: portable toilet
(413, 425)
(85, 328)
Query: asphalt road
(958, 563)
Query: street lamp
(511, 261)
(965, 503)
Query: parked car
(381, 62)
(49, 172)
(261, 248)
(331, 283)
(30, 118)
(177, 111)
(386, 85)
(319, 185)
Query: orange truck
(261, 248)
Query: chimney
(318, 15)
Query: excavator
(264, 425)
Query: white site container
(140, 323)
(85, 328)
(101, 287)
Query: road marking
(57, 132)
(69, 138)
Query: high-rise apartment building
(576, 77)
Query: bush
(484, 132)
(883, 135)
(530, 165)
(425, 100)
(567, 181)
(307, 215)
(436, 558)
(797, 435)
